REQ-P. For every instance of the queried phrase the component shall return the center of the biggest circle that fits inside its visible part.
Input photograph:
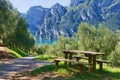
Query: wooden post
(66, 57)
(56, 64)
(94, 62)
(81, 69)
(101, 66)
(89, 58)
(89, 68)
(70, 57)
(77, 58)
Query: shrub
(115, 56)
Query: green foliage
(43, 69)
(13, 28)
(22, 37)
(88, 38)
(15, 54)
(67, 43)
(100, 40)
(44, 57)
(19, 52)
(115, 56)
(8, 19)
(54, 50)
(110, 73)
(42, 49)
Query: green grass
(17, 53)
(43, 69)
(44, 57)
(109, 73)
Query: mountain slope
(49, 24)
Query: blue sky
(24, 5)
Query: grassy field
(72, 72)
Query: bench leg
(101, 66)
(77, 59)
(70, 57)
(56, 64)
(89, 68)
(81, 68)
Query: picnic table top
(82, 52)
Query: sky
(24, 5)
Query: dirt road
(10, 68)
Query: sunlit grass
(45, 57)
(43, 69)
(20, 52)
(108, 73)
(15, 54)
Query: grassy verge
(17, 53)
(20, 52)
(72, 72)
(44, 57)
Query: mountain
(50, 23)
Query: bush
(115, 56)
(42, 49)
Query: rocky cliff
(49, 24)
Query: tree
(115, 55)
(86, 36)
(7, 19)
(93, 39)
(22, 38)
(13, 28)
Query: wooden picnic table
(91, 55)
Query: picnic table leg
(70, 57)
(81, 68)
(56, 64)
(89, 61)
(94, 62)
(66, 57)
(101, 66)
(89, 68)
(89, 58)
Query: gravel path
(11, 67)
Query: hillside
(47, 24)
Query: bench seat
(100, 62)
(80, 64)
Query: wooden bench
(64, 60)
(80, 57)
(80, 64)
(100, 62)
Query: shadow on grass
(104, 75)
(72, 73)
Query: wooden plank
(80, 57)
(103, 61)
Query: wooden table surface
(83, 52)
